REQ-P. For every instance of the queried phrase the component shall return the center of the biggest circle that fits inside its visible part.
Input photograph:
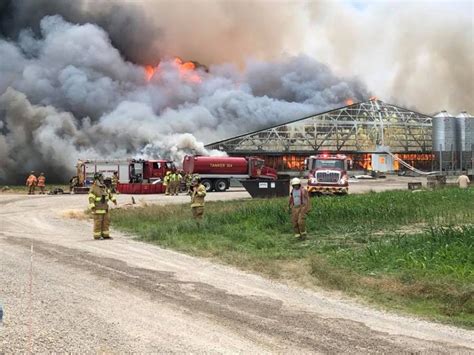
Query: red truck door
(255, 167)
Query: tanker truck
(216, 172)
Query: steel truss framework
(355, 128)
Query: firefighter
(300, 205)
(198, 192)
(175, 182)
(99, 197)
(41, 183)
(73, 182)
(182, 182)
(114, 182)
(172, 182)
(188, 178)
(179, 179)
(166, 182)
(31, 183)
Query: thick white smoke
(68, 93)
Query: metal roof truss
(358, 127)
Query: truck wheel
(220, 185)
(207, 184)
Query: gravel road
(127, 296)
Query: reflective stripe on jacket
(99, 197)
(175, 177)
(304, 196)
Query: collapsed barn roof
(359, 127)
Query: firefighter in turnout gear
(188, 178)
(99, 197)
(41, 183)
(300, 205)
(114, 182)
(31, 183)
(175, 181)
(73, 182)
(166, 183)
(198, 192)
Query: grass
(404, 250)
(430, 273)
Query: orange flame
(349, 102)
(149, 72)
(293, 162)
(365, 161)
(187, 70)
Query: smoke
(401, 51)
(416, 53)
(86, 67)
(68, 93)
(145, 31)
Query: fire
(365, 161)
(293, 162)
(149, 72)
(349, 102)
(186, 70)
(373, 98)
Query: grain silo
(444, 132)
(464, 140)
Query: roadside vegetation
(412, 251)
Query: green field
(407, 251)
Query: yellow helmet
(295, 181)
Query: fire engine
(327, 174)
(134, 175)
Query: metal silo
(450, 134)
(469, 144)
(444, 132)
(461, 131)
(469, 133)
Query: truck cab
(327, 174)
(149, 171)
(257, 169)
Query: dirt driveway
(124, 295)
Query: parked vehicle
(327, 174)
(134, 175)
(216, 172)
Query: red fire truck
(216, 172)
(135, 176)
(327, 174)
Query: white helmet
(295, 181)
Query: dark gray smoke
(398, 50)
(125, 22)
(66, 93)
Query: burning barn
(357, 130)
